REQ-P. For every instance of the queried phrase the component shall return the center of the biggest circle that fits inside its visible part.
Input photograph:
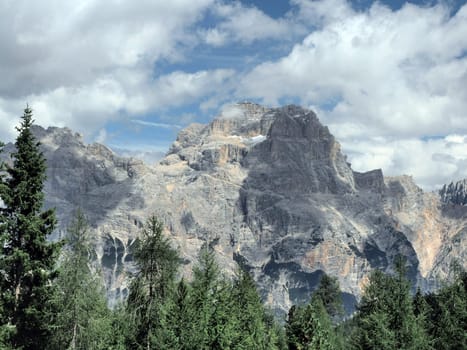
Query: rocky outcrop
(270, 190)
(454, 193)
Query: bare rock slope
(271, 191)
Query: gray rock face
(454, 193)
(271, 191)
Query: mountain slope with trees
(270, 190)
(52, 303)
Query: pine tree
(448, 314)
(175, 333)
(330, 294)
(310, 327)
(82, 319)
(386, 316)
(250, 324)
(27, 259)
(206, 299)
(294, 328)
(157, 264)
(323, 334)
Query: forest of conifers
(51, 298)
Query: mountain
(270, 190)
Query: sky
(389, 78)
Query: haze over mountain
(270, 190)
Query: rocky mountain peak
(242, 119)
(55, 137)
(298, 145)
(454, 193)
(269, 189)
(286, 139)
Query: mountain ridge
(271, 190)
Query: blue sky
(389, 78)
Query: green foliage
(252, 326)
(310, 327)
(329, 293)
(82, 319)
(209, 297)
(39, 310)
(151, 288)
(447, 314)
(27, 260)
(386, 318)
(176, 330)
(323, 334)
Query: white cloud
(156, 125)
(87, 108)
(179, 86)
(214, 36)
(432, 162)
(382, 80)
(83, 63)
(378, 75)
(145, 153)
(246, 24)
(232, 111)
(378, 69)
(101, 136)
(55, 43)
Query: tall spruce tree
(250, 317)
(175, 331)
(209, 298)
(448, 313)
(82, 319)
(386, 317)
(157, 264)
(310, 327)
(27, 259)
(330, 294)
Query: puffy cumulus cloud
(377, 76)
(55, 43)
(432, 162)
(247, 24)
(101, 136)
(320, 13)
(190, 87)
(374, 67)
(83, 63)
(87, 108)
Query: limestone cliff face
(270, 190)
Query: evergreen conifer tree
(323, 334)
(330, 294)
(177, 323)
(250, 326)
(157, 264)
(310, 327)
(27, 259)
(209, 298)
(448, 314)
(82, 319)
(386, 316)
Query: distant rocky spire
(455, 193)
